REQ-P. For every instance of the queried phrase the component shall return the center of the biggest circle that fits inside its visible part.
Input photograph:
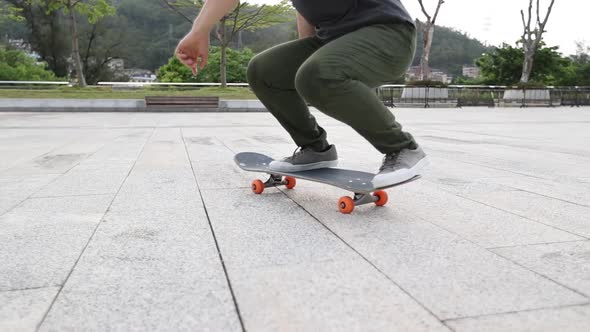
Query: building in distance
(471, 71)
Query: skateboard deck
(360, 183)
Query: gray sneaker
(400, 167)
(306, 159)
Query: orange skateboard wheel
(346, 205)
(290, 182)
(257, 187)
(382, 198)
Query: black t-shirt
(334, 18)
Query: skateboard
(357, 182)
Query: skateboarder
(345, 49)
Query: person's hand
(193, 50)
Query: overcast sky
(497, 21)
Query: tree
(578, 73)
(502, 66)
(100, 43)
(262, 39)
(93, 10)
(18, 66)
(244, 17)
(581, 75)
(152, 32)
(582, 55)
(428, 35)
(247, 18)
(237, 64)
(12, 24)
(45, 32)
(9, 12)
(532, 37)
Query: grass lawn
(108, 93)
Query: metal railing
(32, 85)
(144, 84)
(490, 96)
(572, 96)
(115, 85)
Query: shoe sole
(389, 179)
(280, 166)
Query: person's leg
(339, 80)
(340, 77)
(271, 75)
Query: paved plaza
(141, 221)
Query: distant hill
(451, 49)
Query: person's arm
(304, 28)
(193, 49)
(211, 13)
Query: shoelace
(297, 152)
(390, 159)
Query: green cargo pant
(338, 78)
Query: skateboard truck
(362, 199)
(346, 204)
(273, 181)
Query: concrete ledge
(72, 105)
(165, 109)
(423, 92)
(431, 104)
(529, 98)
(247, 105)
(117, 105)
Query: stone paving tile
(87, 121)
(449, 275)
(60, 160)
(566, 263)
(537, 142)
(207, 148)
(568, 319)
(534, 159)
(213, 163)
(86, 182)
(574, 193)
(224, 175)
(344, 295)
(124, 148)
(466, 181)
(222, 148)
(570, 169)
(57, 163)
(152, 263)
(513, 166)
(280, 257)
(569, 189)
(550, 211)
(270, 229)
(15, 189)
(101, 173)
(74, 147)
(484, 225)
(18, 145)
(42, 238)
(23, 310)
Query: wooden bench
(182, 103)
